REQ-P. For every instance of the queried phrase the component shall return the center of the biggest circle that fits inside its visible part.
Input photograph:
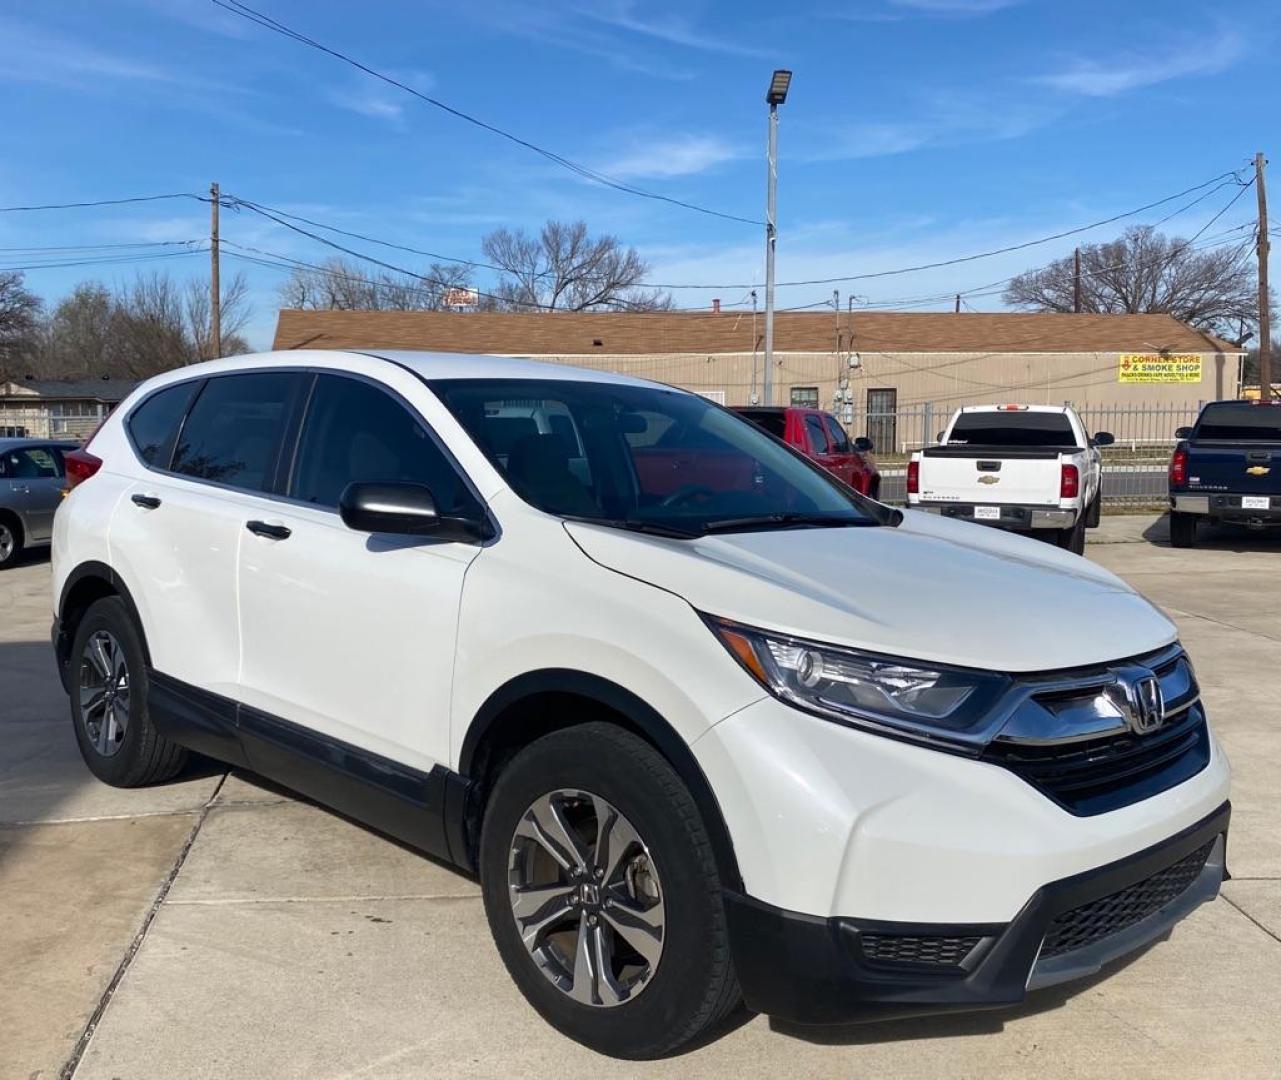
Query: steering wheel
(685, 493)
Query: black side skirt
(423, 810)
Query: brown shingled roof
(628, 333)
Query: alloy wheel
(586, 897)
(7, 543)
(104, 692)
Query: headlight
(907, 697)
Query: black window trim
(297, 405)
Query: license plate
(987, 513)
(1255, 502)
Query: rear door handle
(272, 532)
(147, 502)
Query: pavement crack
(82, 1043)
(1224, 625)
(1272, 934)
(232, 901)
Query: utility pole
(774, 97)
(1265, 315)
(1076, 280)
(958, 303)
(215, 291)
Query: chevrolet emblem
(989, 479)
(1258, 470)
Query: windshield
(644, 457)
(1011, 429)
(1231, 422)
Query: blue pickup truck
(1227, 468)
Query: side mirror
(1104, 438)
(402, 509)
(1183, 433)
(939, 437)
(864, 445)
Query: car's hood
(940, 590)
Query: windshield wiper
(785, 520)
(649, 527)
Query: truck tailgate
(1243, 469)
(990, 475)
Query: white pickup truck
(1020, 467)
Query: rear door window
(232, 434)
(818, 438)
(356, 432)
(153, 424)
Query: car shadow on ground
(954, 1025)
(1218, 537)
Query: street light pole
(775, 97)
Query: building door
(882, 419)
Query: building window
(805, 397)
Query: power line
(102, 202)
(979, 255)
(105, 261)
(274, 25)
(102, 247)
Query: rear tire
(1073, 539)
(107, 673)
(1095, 513)
(11, 541)
(1182, 529)
(680, 981)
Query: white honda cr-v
(708, 725)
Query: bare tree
(1145, 271)
(152, 324)
(19, 325)
(234, 310)
(342, 285)
(564, 268)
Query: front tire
(603, 895)
(108, 679)
(1182, 529)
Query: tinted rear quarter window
(152, 424)
(773, 421)
(1011, 429)
(356, 432)
(1240, 423)
(233, 430)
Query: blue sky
(916, 130)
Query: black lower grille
(1098, 775)
(925, 950)
(1110, 915)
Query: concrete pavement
(218, 927)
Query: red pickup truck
(818, 435)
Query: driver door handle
(147, 502)
(272, 532)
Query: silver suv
(31, 481)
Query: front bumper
(1229, 507)
(1010, 516)
(809, 969)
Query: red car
(818, 435)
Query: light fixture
(778, 85)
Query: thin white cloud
(669, 27)
(957, 7)
(378, 100)
(941, 119)
(31, 55)
(684, 155)
(1101, 78)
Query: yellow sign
(1139, 368)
